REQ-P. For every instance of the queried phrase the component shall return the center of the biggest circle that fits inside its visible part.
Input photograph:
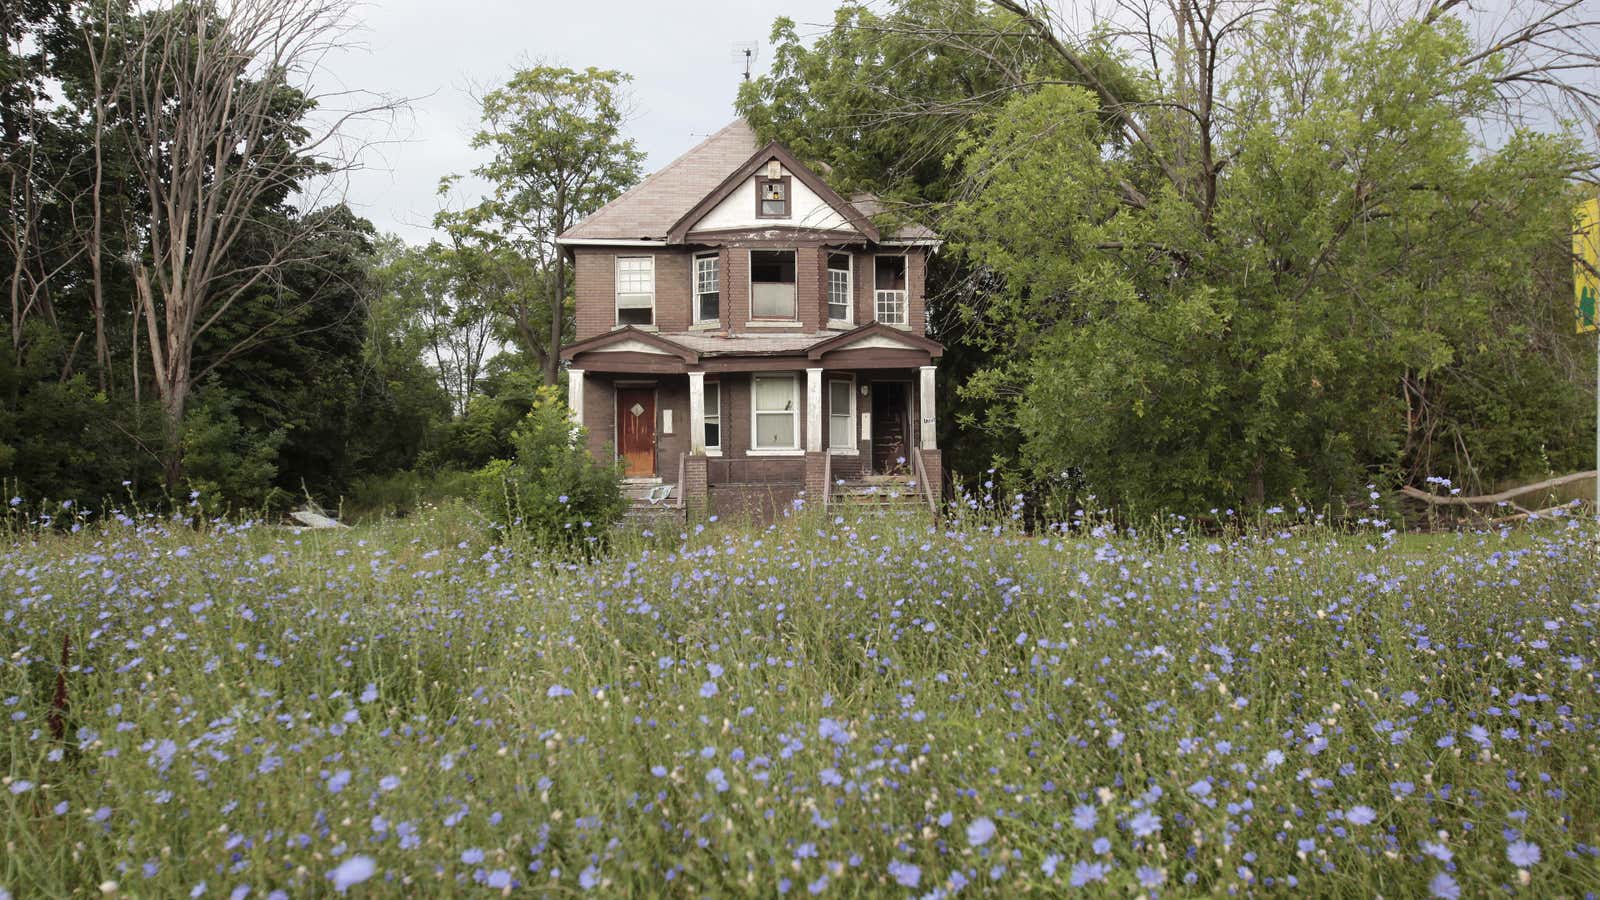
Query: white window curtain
(841, 415)
(777, 413)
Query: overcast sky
(678, 52)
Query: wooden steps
(883, 492)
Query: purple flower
(1084, 873)
(351, 872)
(1084, 817)
(1200, 788)
(1437, 851)
(557, 690)
(1360, 815)
(1048, 867)
(1150, 876)
(472, 856)
(1523, 854)
(1444, 887)
(980, 831)
(708, 690)
(1145, 823)
(905, 874)
(589, 878)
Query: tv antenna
(745, 52)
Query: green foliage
(558, 155)
(1362, 260)
(553, 491)
(833, 686)
(226, 464)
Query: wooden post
(697, 413)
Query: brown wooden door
(890, 452)
(636, 431)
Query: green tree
(553, 490)
(1225, 308)
(558, 154)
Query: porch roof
(873, 345)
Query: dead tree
(226, 117)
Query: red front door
(636, 431)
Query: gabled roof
(647, 210)
(876, 334)
(627, 335)
(665, 205)
(737, 178)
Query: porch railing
(827, 478)
(921, 471)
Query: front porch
(729, 434)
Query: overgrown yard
(821, 707)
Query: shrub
(553, 492)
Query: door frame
(906, 383)
(655, 427)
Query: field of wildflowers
(825, 707)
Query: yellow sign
(1586, 266)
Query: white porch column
(813, 410)
(697, 413)
(930, 421)
(575, 395)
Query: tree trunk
(174, 392)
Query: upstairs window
(772, 197)
(636, 290)
(839, 304)
(890, 289)
(772, 284)
(707, 288)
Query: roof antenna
(745, 52)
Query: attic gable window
(772, 194)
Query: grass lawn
(823, 707)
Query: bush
(553, 493)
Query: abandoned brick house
(745, 333)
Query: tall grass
(837, 707)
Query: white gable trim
(872, 341)
(807, 210)
(631, 345)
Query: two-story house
(745, 333)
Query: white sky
(678, 52)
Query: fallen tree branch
(1502, 497)
(1529, 514)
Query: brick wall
(595, 288)
(811, 288)
(735, 289)
(600, 416)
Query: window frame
(853, 445)
(710, 389)
(849, 317)
(750, 278)
(787, 182)
(617, 292)
(905, 292)
(756, 412)
(694, 287)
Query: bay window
(772, 279)
(707, 288)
